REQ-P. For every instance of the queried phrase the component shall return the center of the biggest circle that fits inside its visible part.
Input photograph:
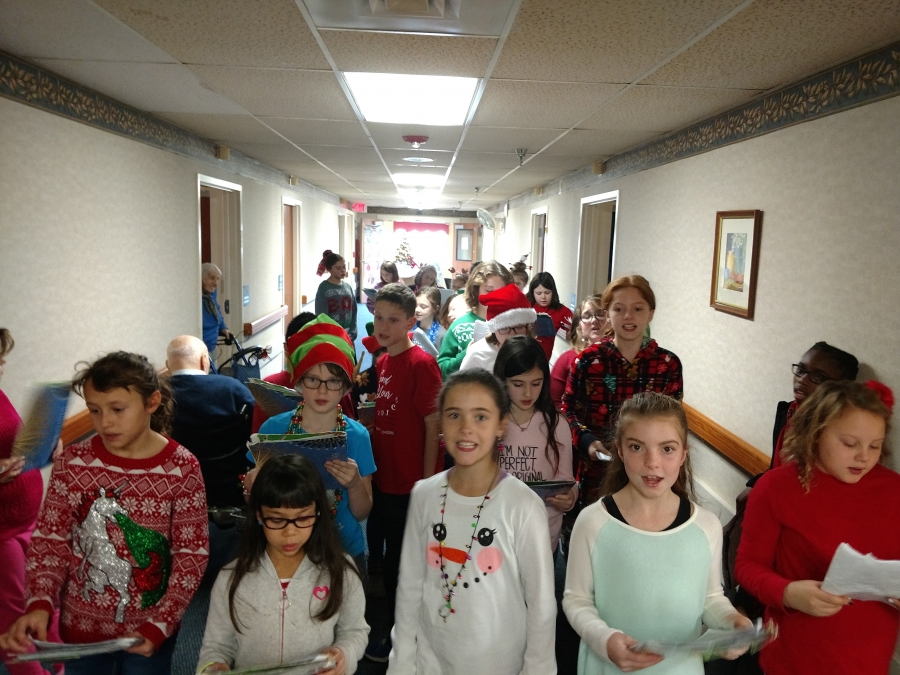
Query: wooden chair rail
(734, 448)
(76, 426)
(254, 327)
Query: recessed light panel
(418, 160)
(416, 179)
(433, 100)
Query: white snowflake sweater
(120, 544)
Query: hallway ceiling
(570, 81)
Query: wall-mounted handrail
(76, 426)
(731, 446)
(254, 327)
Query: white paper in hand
(862, 577)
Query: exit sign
(359, 207)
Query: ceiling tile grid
(517, 103)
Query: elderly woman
(213, 323)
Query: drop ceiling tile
(270, 34)
(771, 44)
(71, 29)
(365, 52)
(391, 136)
(153, 87)
(498, 139)
(599, 143)
(600, 40)
(309, 94)
(273, 152)
(486, 161)
(356, 173)
(227, 129)
(320, 132)
(558, 164)
(336, 153)
(395, 157)
(514, 103)
(664, 108)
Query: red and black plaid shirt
(601, 380)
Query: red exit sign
(359, 207)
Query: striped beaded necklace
(296, 427)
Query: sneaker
(378, 650)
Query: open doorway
(221, 244)
(538, 237)
(596, 243)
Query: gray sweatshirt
(276, 624)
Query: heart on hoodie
(320, 592)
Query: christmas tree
(405, 263)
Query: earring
(259, 522)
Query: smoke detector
(416, 141)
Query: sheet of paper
(480, 330)
(862, 577)
(318, 664)
(420, 338)
(713, 643)
(53, 652)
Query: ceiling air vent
(438, 9)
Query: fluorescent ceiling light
(418, 179)
(418, 160)
(419, 199)
(433, 100)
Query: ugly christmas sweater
(121, 544)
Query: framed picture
(464, 245)
(735, 262)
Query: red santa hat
(507, 307)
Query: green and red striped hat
(322, 340)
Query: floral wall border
(870, 78)
(26, 83)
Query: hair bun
(327, 253)
(884, 393)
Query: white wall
(99, 245)
(828, 261)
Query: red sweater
(562, 321)
(20, 499)
(791, 535)
(130, 559)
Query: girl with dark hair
(645, 563)
(335, 296)
(833, 489)
(519, 274)
(537, 444)
(126, 494)
(292, 592)
(389, 275)
(544, 297)
(426, 277)
(476, 575)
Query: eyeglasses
(311, 382)
(587, 318)
(301, 523)
(815, 376)
(516, 330)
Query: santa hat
(507, 307)
(322, 340)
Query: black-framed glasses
(302, 523)
(815, 376)
(515, 330)
(587, 318)
(311, 382)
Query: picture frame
(464, 239)
(736, 262)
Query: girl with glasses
(321, 359)
(508, 313)
(292, 593)
(587, 328)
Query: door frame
(593, 200)
(539, 240)
(296, 259)
(233, 263)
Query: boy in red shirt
(405, 434)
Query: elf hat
(322, 340)
(507, 307)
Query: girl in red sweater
(544, 297)
(832, 489)
(121, 540)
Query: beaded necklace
(296, 427)
(447, 609)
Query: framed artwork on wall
(464, 245)
(735, 262)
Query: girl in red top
(122, 537)
(544, 297)
(832, 489)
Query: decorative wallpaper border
(26, 83)
(873, 77)
(436, 213)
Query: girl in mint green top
(645, 563)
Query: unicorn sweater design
(120, 544)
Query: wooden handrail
(76, 426)
(254, 327)
(718, 437)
